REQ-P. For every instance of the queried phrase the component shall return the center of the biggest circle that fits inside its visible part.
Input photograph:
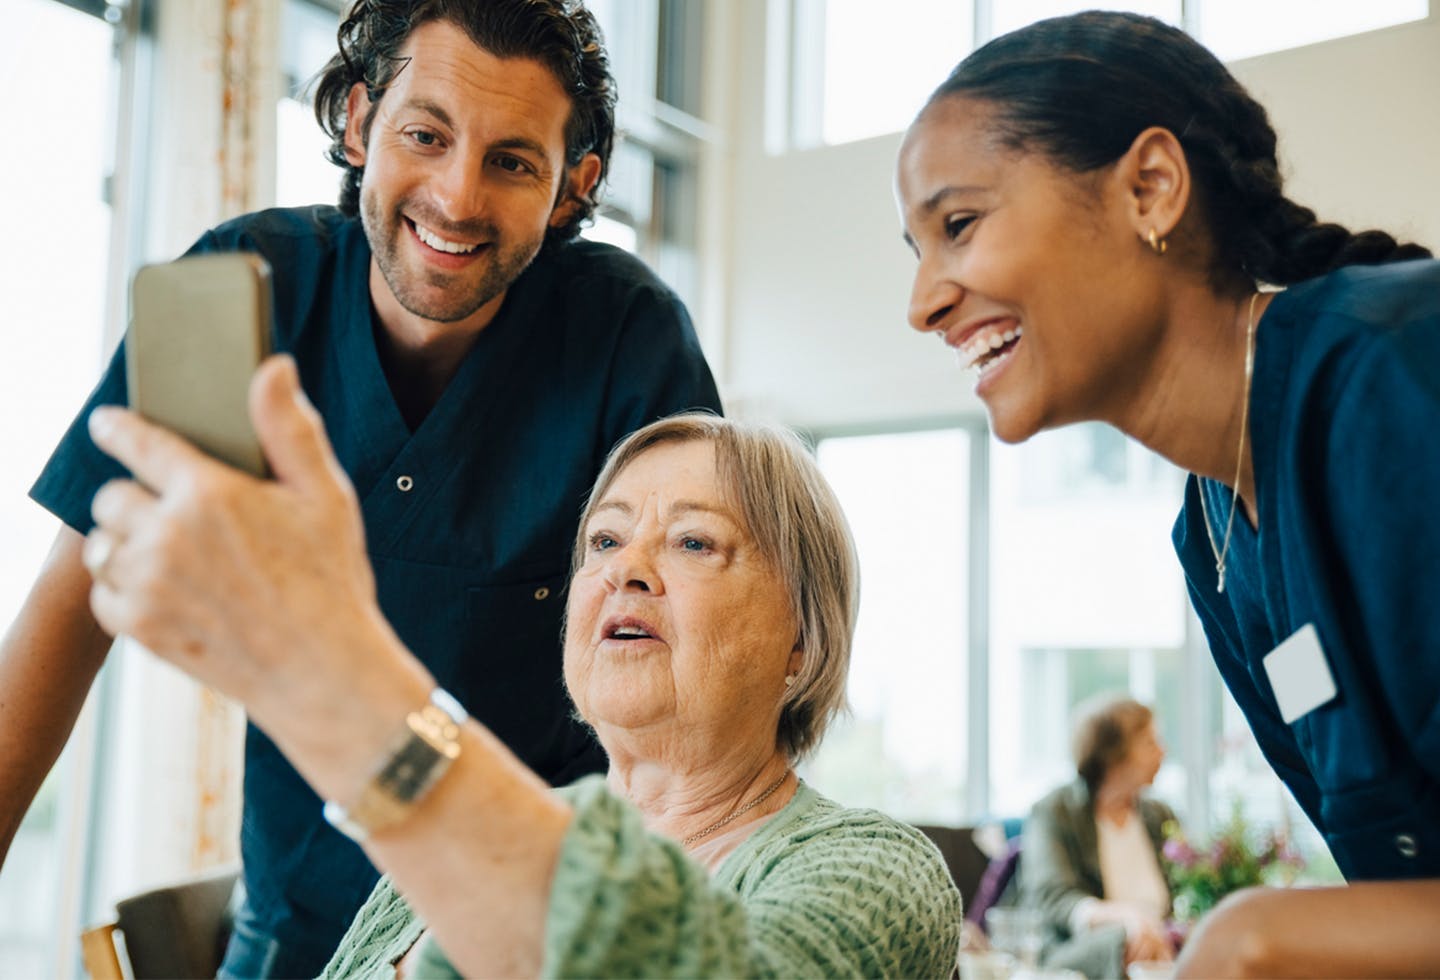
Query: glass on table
(1150, 970)
(1017, 931)
(988, 964)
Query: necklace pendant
(1220, 585)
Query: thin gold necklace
(1221, 552)
(764, 795)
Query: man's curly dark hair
(560, 34)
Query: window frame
(1201, 679)
(977, 661)
(795, 63)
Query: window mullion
(977, 776)
(984, 20)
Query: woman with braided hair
(1102, 234)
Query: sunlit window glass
(1242, 28)
(611, 232)
(54, 272)
(882, 60)
(904, 748)
(303, 174)
(1086, 597)
(1007, 15)
(650, 199)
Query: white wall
(818, 279)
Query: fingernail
(102, 422)
(299, 389)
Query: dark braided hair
(560, 34)
(1080, 89)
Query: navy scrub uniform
(1345, 430)
(469, 519)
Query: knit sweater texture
(817, 890)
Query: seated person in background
(709, 622)
(1091, 852)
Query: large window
(303, 174)
(1002, 586)
(1087, 598)
(859, 69)
(650, 203)
(903, 748)
(862, 70)
(56, 266)
(1243, 28)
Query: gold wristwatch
(420, 755)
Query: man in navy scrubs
(473, 363)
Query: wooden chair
(178, 930)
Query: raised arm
(262, 589)
(1369, 929)
(48, 661)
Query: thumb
(291, 432)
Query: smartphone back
(200, 326)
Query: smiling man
(473, 363)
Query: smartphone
(199, 328)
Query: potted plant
(1237, 856)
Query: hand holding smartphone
(200, 327)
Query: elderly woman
(1091, 850)
(708, 635)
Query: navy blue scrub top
(469, 519)
(1345, 437)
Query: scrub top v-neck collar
(1254, 578)
(398, 470)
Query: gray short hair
(798, 526)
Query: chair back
(178, 930)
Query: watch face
(422, 753)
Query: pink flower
(1178, 851)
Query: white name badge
(1299, 675)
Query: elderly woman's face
(676, 622)
(1145, 754)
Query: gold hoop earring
(1158, 245)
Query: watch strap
(422, 752)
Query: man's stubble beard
(502, 266)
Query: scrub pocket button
(1406, 846)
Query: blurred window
(56, 268)
(303, 173)
(657, 58)
(1063, 547)
(903, 748)
(1086, 597)
(857, 69)
(1242, 28)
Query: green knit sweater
(817, 890)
